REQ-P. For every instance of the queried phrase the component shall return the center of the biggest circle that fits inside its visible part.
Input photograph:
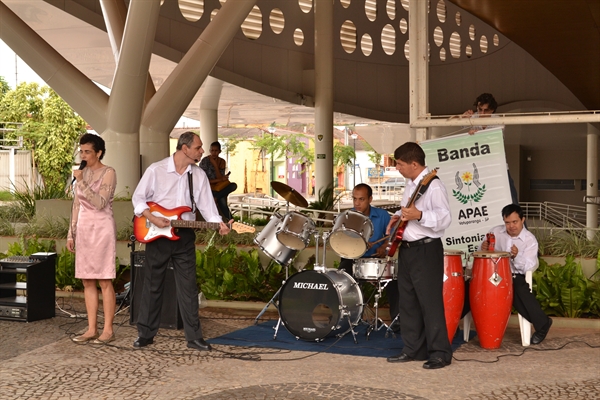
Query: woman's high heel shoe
(83, 339)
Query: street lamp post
(354, 136)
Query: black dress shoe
(142, 342)
(400, 358)
(199, 344)
(435, 363)
(538, 337)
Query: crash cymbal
(290, 194)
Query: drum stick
(380, 240)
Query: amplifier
(170, 317)
(27, 291)
(15, 312)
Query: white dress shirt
(163, 185)
(527, 257)
(435, 207)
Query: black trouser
(526, 304)
(182, 252)
(391, 288)
(420, 287)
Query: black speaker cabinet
(170, 317)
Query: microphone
(194, 159)
(81, 166)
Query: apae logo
(466, 181)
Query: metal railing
(559, 217)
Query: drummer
(362, 196)
(514, 238)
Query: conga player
(514, 238)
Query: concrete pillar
(172, 98)
(126, 102)
(87, 99)
(323, 93)
(209, 108)
(115, 16)
(418, 64)
(592, 179)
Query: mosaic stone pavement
(39, 361)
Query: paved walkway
(39, 361)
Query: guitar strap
(424, 188)
(191, 186)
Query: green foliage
(65, 271)
(50, 127)
(4, 87)
(563, 290)
(126, 230)
(29, 245)
(6, 227)
(563, 243)
(47, 227)
(5, 195)
(232, 238)
(223, 274)
(24, 204)
(343, 155)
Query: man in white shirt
(514, 238)
(167, 183)
(421, 262)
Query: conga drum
(454, 290)
(491, 296)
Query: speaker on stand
(170, 316)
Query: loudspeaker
(170, 317)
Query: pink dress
(93, 225)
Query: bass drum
(314, 305)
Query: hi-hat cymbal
(290, 194)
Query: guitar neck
(181, 223)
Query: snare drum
(268, 243)
(350, 234)
(372, 269)
(314, 305)
(294, 230)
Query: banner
(473, 168)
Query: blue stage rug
(377, 344)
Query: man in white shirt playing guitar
(174, 182)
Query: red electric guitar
(398, 230)
(145, 231)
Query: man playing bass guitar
(416, 231)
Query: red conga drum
(454, 290)
(491, 296)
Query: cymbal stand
(320, 267)
(377, 323)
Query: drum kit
(315, 304)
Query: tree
(343, 155)
(4, 87)
(50, 128)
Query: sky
(7, 68)
(26, 74)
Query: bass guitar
(398, 230)
(145, 231)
